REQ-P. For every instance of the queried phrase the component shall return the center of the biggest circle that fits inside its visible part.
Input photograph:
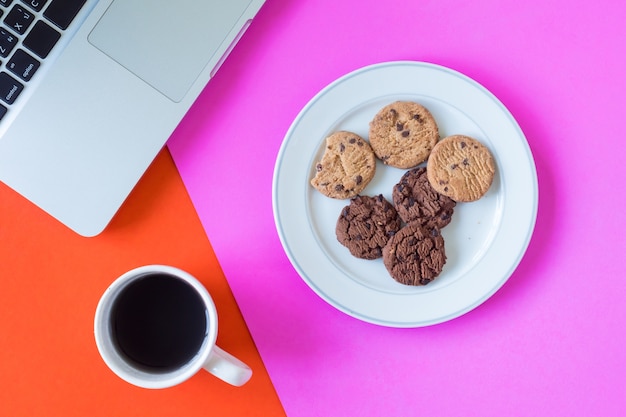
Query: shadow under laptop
(146, 200)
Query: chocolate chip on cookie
(415, 255)
(366, 225)
(347, 166)
(403, 133)
(416, 200)
(461, 168)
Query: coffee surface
(159, 322)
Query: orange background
(51, 280)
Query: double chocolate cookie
(366, 225)
(415, 200)
(415, 255)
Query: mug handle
(227, 367)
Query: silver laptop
(90, 91)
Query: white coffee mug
(156, 326)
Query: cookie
(415, 255)
(403, 133)
(415, 200)
(365, 226)
(347, 166)
(461, 168)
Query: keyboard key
(23, 65)
(10, 88)
(62, 12)
(36, 5)
(41, 39)
(3, 111)
(6, 3)
(19, 19)
(7, 42)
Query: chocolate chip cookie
(347, 166)
(415, 200)
(415, 255)
(365, 226)
(403, 133)
(461, 168)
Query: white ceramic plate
(485, 240)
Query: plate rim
(305, 276)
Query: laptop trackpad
(166, 43)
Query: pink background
(552, 340)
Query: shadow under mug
(156, 326)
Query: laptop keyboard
(29, 30)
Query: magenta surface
(551, 341)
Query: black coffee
(159, 322)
